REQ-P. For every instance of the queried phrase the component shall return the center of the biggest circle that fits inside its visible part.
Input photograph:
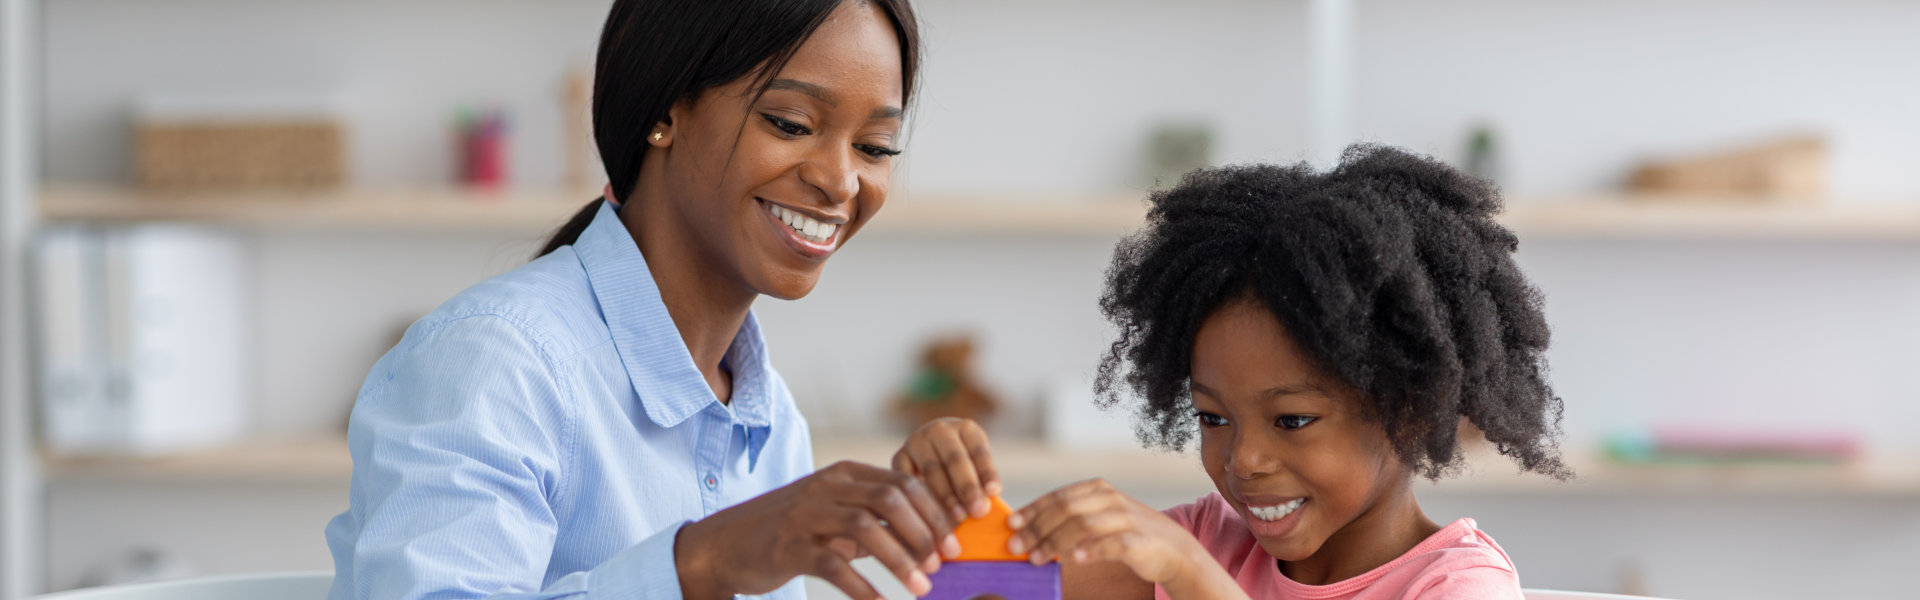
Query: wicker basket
(1792, 170)
(230, 155)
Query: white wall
(1580, 91)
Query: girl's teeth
(1275, 513)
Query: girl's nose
(1251, 456)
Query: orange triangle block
(985, 538)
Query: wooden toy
(985, 570)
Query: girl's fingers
(1038, 520)
(1109, 547)
(1062, 540)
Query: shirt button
(711, 481)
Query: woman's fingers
(872, 535)
(957, 460)
(977, 446)
(830, 566)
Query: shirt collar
(657, 362)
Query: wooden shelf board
(1116, 213)
(1036, 464)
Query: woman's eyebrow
(818, 92)
(810, 89)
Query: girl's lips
(800, 244)
(1275, 529)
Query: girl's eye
(1208, 419)
(789, 128)
(1292, 422)
(876, 151)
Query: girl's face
(769, 187)
(1286, 445)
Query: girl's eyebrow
(1272, 392)
(821, 93)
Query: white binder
(143, 338)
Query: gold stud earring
(657, 136)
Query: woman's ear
(662, 134)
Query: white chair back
(309, 585)
(1532, 594)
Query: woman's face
(1284, 444)
(769, 187)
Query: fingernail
(1015, 520)
(981, 508)
(950, 547)
(931, 565)
(1080, 556)
(993, 489)
(919, 584)
(1017, 544)
(959, 514)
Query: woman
(603, 422)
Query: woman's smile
(813, 236)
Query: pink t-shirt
(1459, 562)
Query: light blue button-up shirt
(545, 434)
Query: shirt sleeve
(1473, 583)
(459, 444)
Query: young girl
(1322, 334)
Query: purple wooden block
(995, 580)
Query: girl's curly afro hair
(1389, 271)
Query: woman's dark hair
(1389, 271)
(654, 53)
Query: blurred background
(217, 214)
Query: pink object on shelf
(1756, 443)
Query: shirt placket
(716, 432)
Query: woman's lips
(812, 238)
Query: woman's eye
(1292, 422)
(876, 151)
(790, 128)
(1208, 419)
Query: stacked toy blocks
(985, 570)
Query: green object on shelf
(930, 385)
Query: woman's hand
(817, 526)
(1090, 522)
(951, 456)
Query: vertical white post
(20, 495)
(1329, 78)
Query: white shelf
(1037, 465)
(535, 211)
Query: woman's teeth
(1275, 513)
(813, 230)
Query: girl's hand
(1090, 522)
(817, 526)
(950, 455)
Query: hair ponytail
(570, 232)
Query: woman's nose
(832, 171)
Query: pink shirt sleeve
(1472, 583)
